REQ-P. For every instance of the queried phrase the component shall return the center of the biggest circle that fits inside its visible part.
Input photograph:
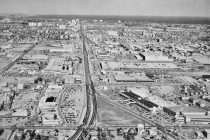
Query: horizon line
(98, 15)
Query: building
(112, 33)
(20, 113)
(51, 118)
(141, 92)
(141, 101)
(205, 60)
(160, 102)
(48, 105)
(50, 99)
(191, 114)
(147, 65)
(152, 57)
(131, 77)
(62, 48)
(59, 65)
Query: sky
(197, 8)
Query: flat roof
(202, 59)
(159, 65)
(186, 109)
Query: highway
(90, 115)
(89, 84)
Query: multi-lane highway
(89, 84)
(90, 92)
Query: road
(40, 127)
(6, 68)
(90, 92)
(90, 86)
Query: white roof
(131, 77)
(112, 33)
(202, 59)
(160, 101)
(54, 86)
(156, 57)
(37, 56)
(140, 91)
(114, 65)
(20, 112)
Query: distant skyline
(192, 8)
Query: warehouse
(131, 77)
